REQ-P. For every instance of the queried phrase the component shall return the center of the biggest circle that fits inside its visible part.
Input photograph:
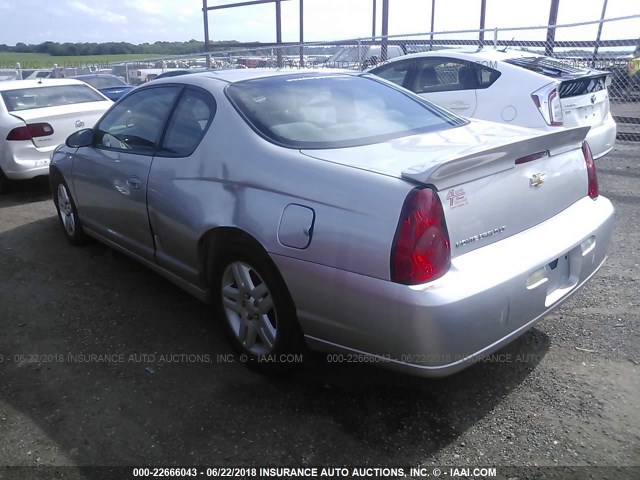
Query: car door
(448, 82)
(110, 177)
(177, 195)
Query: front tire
(68, 213)
(257, 310)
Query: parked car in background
(514, 87)
(109, 85)
(36, 116)
(339, 211)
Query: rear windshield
(549, 66)
(53, 96)
(103, 82)
(334, 110)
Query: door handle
(458, 106)
(134, 182)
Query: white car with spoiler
(38, 115)
(513, 87)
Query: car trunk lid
(583, 91)
(65, 119)
(486, 194)
(585, 101)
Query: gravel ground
(564, 394)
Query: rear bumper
(602, 138)
(481, 304)
(23, 160)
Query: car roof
(241, 74)
(42, 82)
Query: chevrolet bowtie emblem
(536, 179)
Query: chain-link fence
(610, 45)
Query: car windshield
(104, 82)
(50, 96)
(334, 110)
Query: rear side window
(334, 110)
(486, 76)
(190, 120)
(41, 97)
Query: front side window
(136, 122)
(334, 110)
(192, 116)
(49, 96)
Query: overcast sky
(138, 21)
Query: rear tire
(67, 212)
(256, 308)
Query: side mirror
(81, 138)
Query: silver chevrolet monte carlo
(338, 212)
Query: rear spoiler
(481, 162)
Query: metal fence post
(433, 14)
(551, 30)
(483, 11)
(205, 15)
(385, 30)
(301, 52)
(495, 38)
(279, 34)
(595, 49)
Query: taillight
(421, 250)
(548, 103)
(592, 177)
(30, 131)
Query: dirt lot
(566, 393)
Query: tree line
(109, 48)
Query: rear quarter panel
(508, 99)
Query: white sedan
(514, 87)
(38, 115)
